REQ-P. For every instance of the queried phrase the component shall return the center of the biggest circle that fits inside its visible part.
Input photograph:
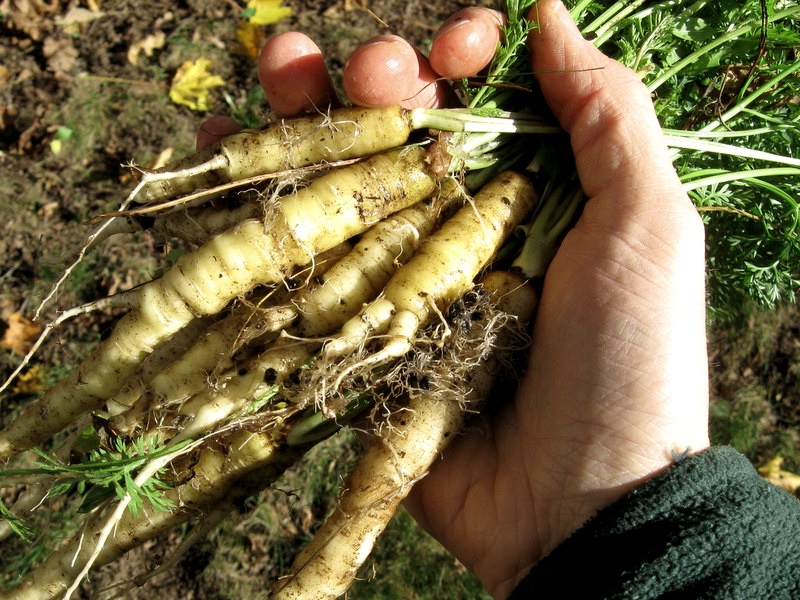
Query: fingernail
(452, 24)
(382, 40)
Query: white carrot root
(358, 278)
(203, 363)
(331, 209)
(155, 363)
(339, 134)
(197, 226)
(228, 470)
(399, 454)
(323, 306)
(327, 566)
(247, 385)
(332, 296)
(443, 270)
(177, 381)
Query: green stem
(316, 425)
(607, 16)
(721, 177)
(482, 142)
(674, 139)
(550, 222)
(702, 134)
(578, 9)
(606, 30)
(467, 121)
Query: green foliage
(510, 68)
(727, 70)
(18, 525)
(104, 473)
(247, 112)
(749, 420)
(743, 420)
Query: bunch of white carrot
(273, 332)
(362, 281)
(297, 310)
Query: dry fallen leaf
(192, 84)
(61, 54)
(250, 38)
(152, 42)
(76, 19)
(32, 17)
(266, 12)
(773, 473)
(20, 334)
(163, 158)
(29, 382)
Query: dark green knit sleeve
(708, 527)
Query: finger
(294, 76)
(387, 70)
(607, 111)
(214, 129)
(466, 42)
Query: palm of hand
(617, 378)
(602, 406)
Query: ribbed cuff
(708, 527)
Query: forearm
(709, 527)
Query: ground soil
(66, 71)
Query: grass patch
(107, 119)
(744, 421)
(409, 563)
(755, 375)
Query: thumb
(605, 108)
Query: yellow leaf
(266, 12)
(192, 84)
(30, 382)
(250, 39)
(773, 473)
(20, 333)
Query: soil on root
(84, 90)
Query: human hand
(385, 71)
(617, 378)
